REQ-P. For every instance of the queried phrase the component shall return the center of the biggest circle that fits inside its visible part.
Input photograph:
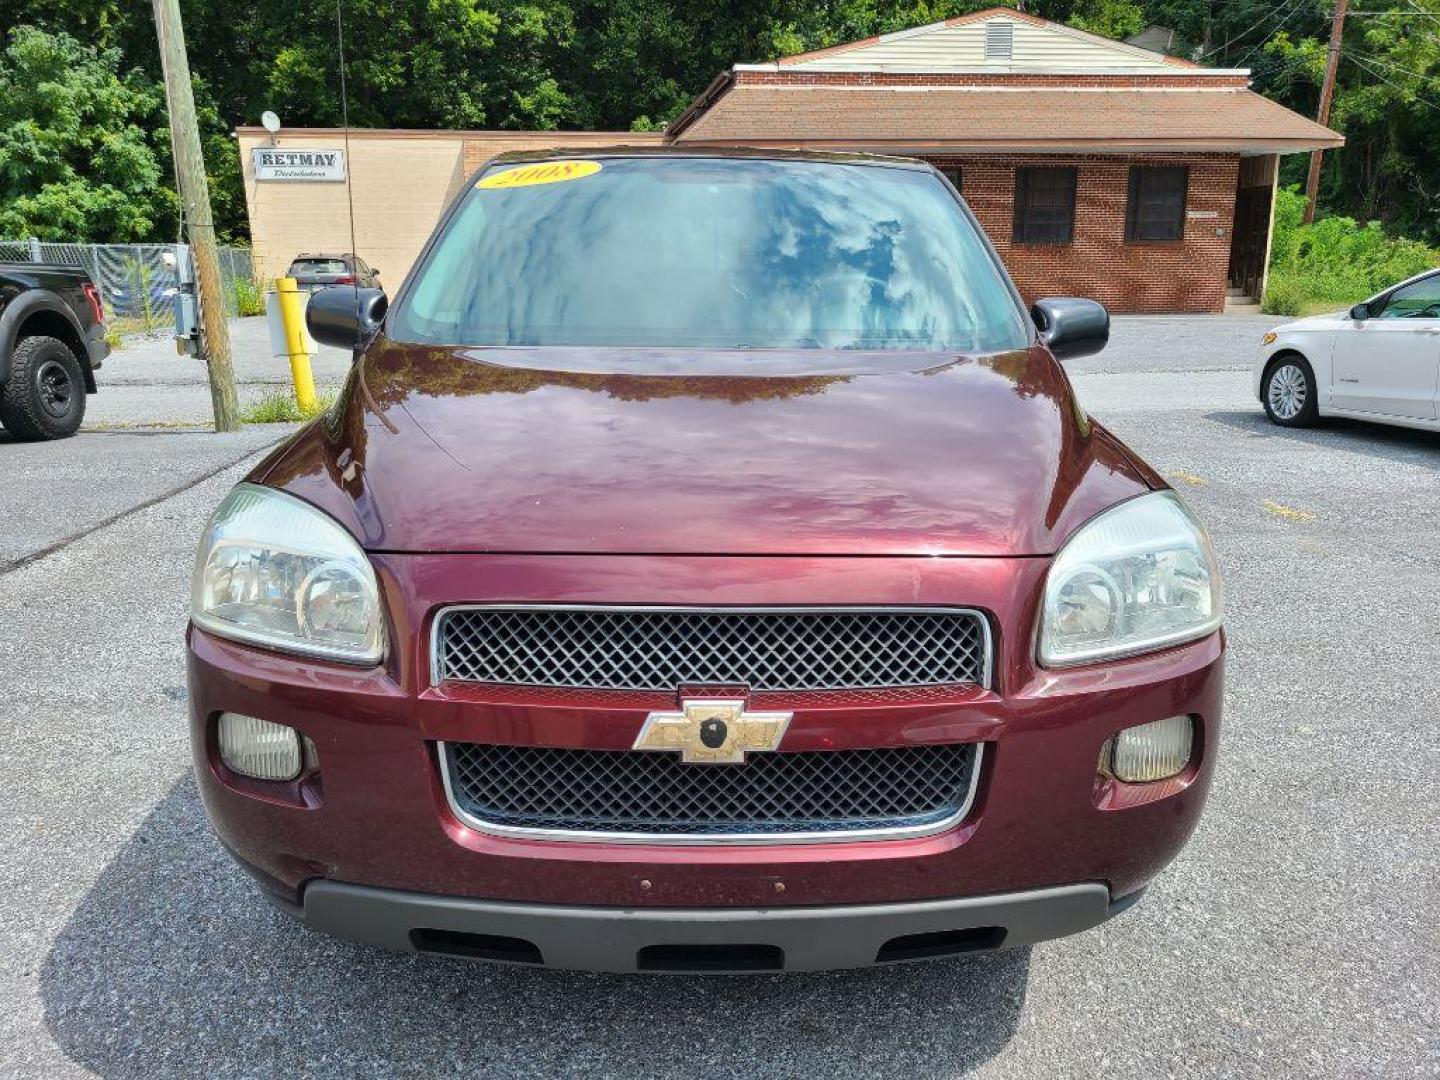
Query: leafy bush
(1334, 261)
(249, 300)
(1284, 296)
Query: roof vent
(999, 39)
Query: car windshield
(318, 266)
(711, 253)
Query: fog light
(254, 747)
(1153, 751)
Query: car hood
(1328, 321)
(647, 451)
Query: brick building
(1098, 168)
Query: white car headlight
(274, 571)
(1141, 576)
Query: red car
(707, 566)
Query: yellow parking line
(1288, 512)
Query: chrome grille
(820, 793)
(663, 649)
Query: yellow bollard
(292, 315)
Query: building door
(1249, 239)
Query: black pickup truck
(52, 338)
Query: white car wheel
(1290, 393)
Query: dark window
(1156, 210)
(318, 266)
(1420, 300)
(1044, 206)
(952, 173)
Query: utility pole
(195, 204)
(1327, 92)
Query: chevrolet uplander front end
(707, 566)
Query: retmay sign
(275, 164)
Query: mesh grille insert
(607, 791)
(630, 649)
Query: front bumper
(376, 814)
(702, 939)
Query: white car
(1378, 361)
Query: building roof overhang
(1104, 115)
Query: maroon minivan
(707, 566)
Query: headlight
(1267, 337)
(1139, 577)
(275, 571)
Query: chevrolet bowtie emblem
(713, 732)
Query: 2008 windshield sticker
(542, 172)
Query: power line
(1395, 67)
(1257, 46)
(1267, 17)
(1394, 85)
(1280, 26)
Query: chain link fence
(137, 281)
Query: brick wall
(1186, 275)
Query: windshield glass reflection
(710, 253)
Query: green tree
(1111, 18)
(1387, 104)
(81, 143)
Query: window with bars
(1156, 207)
(1044, 205)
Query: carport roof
(919, 118)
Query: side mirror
(1071, 327)
(1360, 312)
(345, 316)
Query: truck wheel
(45, 397)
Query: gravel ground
(1178, 343)
(1295, 936)
(146, 382)
(54, 492)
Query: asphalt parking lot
(1295, 936)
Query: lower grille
(820, 794)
